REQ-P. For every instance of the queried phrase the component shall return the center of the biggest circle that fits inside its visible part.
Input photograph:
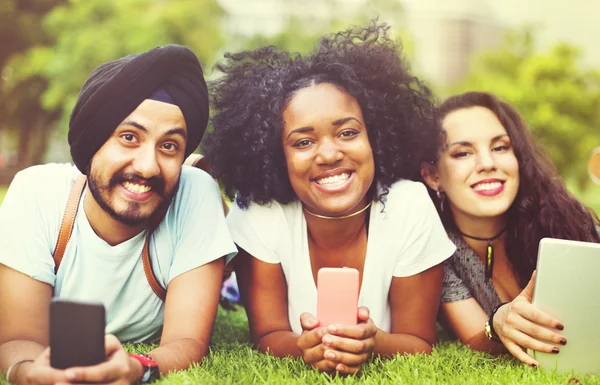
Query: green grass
(233, 361)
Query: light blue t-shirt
(192, 234)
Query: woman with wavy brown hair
(498, 195)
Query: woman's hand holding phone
(349, 346)
(343, 348)
(311, 345)
(519, 324)
(349, 333)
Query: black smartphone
(76, 333)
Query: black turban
(115, 89)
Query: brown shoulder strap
(66, 226)
(156, 287)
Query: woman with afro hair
(319, 152)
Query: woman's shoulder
(406, 190)
(405, 197)
(270, 209)
(266, 231)
(464, 258)
(269, 217)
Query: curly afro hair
(245, 148)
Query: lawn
(233, 361)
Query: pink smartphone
(337, 296)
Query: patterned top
(464, 277)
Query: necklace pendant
(489, 261)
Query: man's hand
(38, 372)
(117, 369)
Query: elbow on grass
(483, 346)
(426, 348)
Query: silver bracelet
(10, 368)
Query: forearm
(14, 351)
(389, 344)
(18, 350)
(481, 343)
(280, 344)
(178, 354)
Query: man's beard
(131, 216)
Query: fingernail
(330, 355)
(327, 340)
(340, 368)
(332, 329)
(563, 341)
(555, 350)
(70, 375)
(560, 327)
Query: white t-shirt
(405, 238)
(193, 233)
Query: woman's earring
(442, 197)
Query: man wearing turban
(135, 121)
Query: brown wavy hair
(543, 207)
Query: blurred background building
(448, 34)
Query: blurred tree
(87, 33)
(304, 25)
(559, 100)
(20, 111)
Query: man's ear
(430, 175)
(594, 165)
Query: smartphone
(76, 333)
(337, 296)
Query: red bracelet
(151, 372)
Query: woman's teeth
(334, 180)
(136, 188)
(487, 186)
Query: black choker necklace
(489, 261)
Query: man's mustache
(156, 183)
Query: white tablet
(567, 287)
